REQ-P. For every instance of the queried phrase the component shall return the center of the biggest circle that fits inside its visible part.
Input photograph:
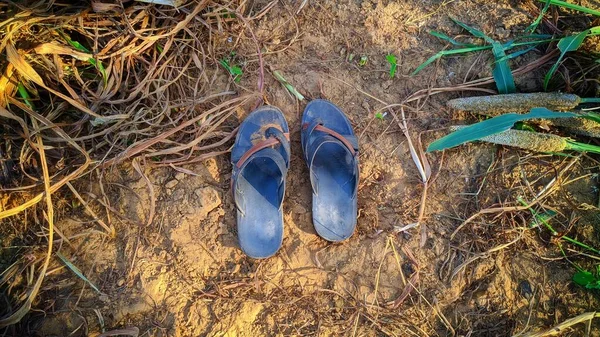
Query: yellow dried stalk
(7, 85)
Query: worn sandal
(260, 159)
(331, 153)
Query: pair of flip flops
(261, 158)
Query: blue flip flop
(331, 153)
(260, 159)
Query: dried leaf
(174, 3)
(21, 65)
(55, 48)
(100, 7)
(7, 87)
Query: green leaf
(74, 44)
(447, 38)
(233, 70)
(584, 278)
(574, 7)
(393, 65)
(25, 95)
(76, 270)
(446, 53)
(98, 65)
(287, 85)
(379, 115)
(490, 127)
(566, 44)
(473, 31)
(502, 73)
(516, 54)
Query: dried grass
(85, 87)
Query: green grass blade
(565, 45)
(25, 95)
(74, 44)
(473, 31)
(447, 38)
(502, 73)
(446, 53)
(531, 28)
(528, 43)
(100, 66)
(592, 115)
(490, 127)
(393, 64)
(534, 36)
(516, 54)
(574, 7)
(428, 62)
(102, 70)
(76, 270)
(97, 64)
(581, 147)
(287, 85)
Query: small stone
(222, 229)
(180, 176)
(366, 105)
(502, 33)
(120, 282)
(386, 84)
(299, 209)
(171, 184)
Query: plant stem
(590, 100)
(581, 147)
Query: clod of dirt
(208, 198)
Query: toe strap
(349, 141)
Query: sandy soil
(183, 274)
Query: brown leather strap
(259, 146)
(335, 135)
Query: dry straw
(87, 86)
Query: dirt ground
(183, 273)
